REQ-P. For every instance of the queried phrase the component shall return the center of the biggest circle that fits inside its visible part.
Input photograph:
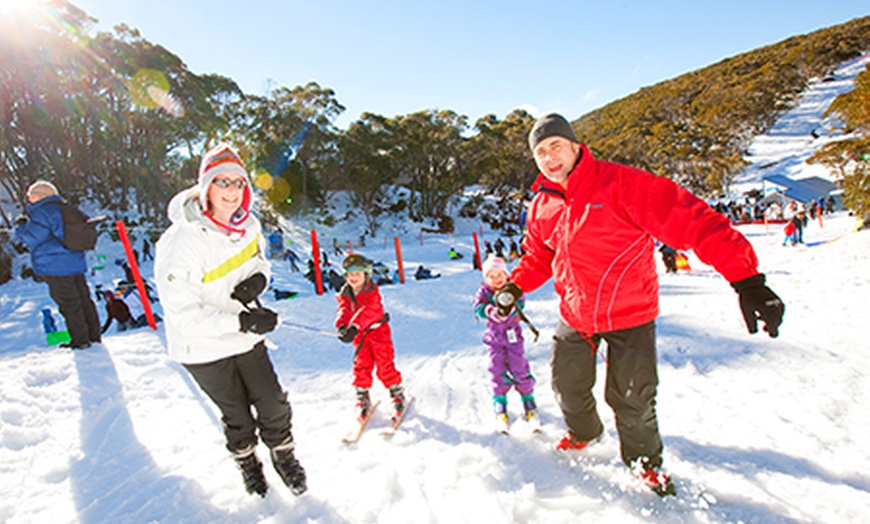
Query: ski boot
(397, 393)
(252, 470)
(530, 412)
(501, 418)
(363, 404)
(288, 467)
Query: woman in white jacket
(210, 266)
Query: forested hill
(695, 128)
(118, 124)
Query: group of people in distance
(591, 227)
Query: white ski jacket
(197, 265)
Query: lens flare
(263, 181)
(149, 88)
(279, 192)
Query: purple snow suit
(507, 358)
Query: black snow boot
(252, 471)
(288, 467)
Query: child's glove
(493, 313)
(347, 334)
(258, 320)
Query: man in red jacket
(591, 227)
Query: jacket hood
(185, 207)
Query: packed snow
(755, 429)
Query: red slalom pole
(476, 251)
(399, 262)
(137, 276)
(318, 276)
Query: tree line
(118, 121)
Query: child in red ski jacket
(361, 320)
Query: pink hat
(494, 263)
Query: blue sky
(475, 57)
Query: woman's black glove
(347, 334)
(758, 302)
(249, 289)
(259, 320)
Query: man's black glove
(249, 289)
(758, 302)
(259, 320)
(347, 334)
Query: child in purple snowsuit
(504, 338)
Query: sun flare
(14, 6)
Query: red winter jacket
(363, 310)
(595, 238)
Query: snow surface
(755, 429)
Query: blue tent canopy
(804, 190)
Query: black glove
(757, 301)
(259, 320)
(347, 334)
(249, 289)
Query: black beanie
(551, 125)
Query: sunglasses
(224, 183)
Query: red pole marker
(476, 251)
(401, 269)
(134, 268)
(318, 276)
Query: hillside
(697, 128)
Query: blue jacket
(42, 234)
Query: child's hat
(494, 263)
(223, 160)
(356, 262)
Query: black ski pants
(73, 299)
(630, 387)
(238, 383)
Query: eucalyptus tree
(498, 154)
(290, 137)
(425, 151)
(43, 95)
(366, 170)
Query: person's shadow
(114, 478)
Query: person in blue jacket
(41, 230)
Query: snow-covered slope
(755, 429)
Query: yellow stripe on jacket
(234, 262)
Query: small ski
(534, 422)
(355, 434)
(396, 422)
(502, 424)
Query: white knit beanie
(41, 189)
(494, 263)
